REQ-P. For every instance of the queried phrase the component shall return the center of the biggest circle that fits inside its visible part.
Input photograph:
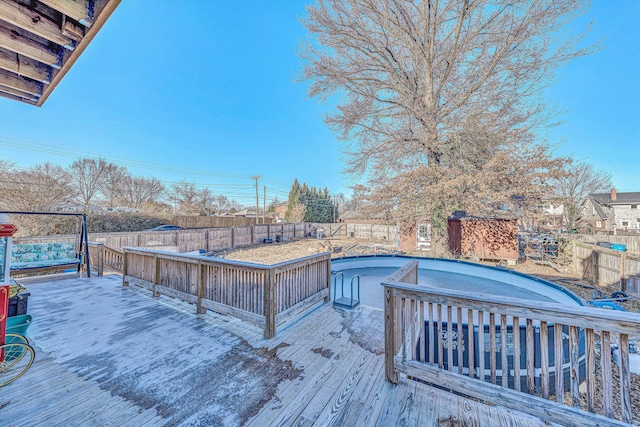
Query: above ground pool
(465, 277)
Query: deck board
(113, 355)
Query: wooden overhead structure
(40, 40)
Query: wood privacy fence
(189, 240)
(429, 335)
(213, 221)
(390, 233)
(632, 242)
(603, 267)
(265, 295)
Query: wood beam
(18, 93)
(16, 42)
(35, 23)
(101, 18)
(75, 9)
(23, 66)
(20, 83)
(16, 98)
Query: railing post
(100, 259)
(156, 275)
(269, 305)
(124, 268)
(200, 285)
(390, 336)
(328, 298)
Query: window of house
(625, 223)
(598, 224)
(634, 206)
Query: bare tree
(439, 99)
(134, 192)
(578, 180)
(220, 204)
(205, 201)
(88, 176)
(110, 189)
(184, 197)
(40, 189)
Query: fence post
(269, 305)
(623, 279)
(233, 237)
(390, 336)
(575, 257)
(252, 232)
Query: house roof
(40, 40)
(621, 198)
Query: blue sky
(209, 88)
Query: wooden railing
(102, 256)
(265, 295)
(432, 334)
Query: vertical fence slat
(557, 362)
(504, 362)
(430, 336)
(439, 337)
(412, 322)
(625, 378)
(515, 327)
(590, 369)
(460, 336)
(607, 381)
(481, 361)
(449, 338)
(574, 366)
(544, 358)
(493, 347)
(470, 340)
(423, 348)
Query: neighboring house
(552, 214)
(280, 211)
(247, 213)
(611, 212)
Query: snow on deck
(109, 355)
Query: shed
(483, 238)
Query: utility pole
(264, 204)
(257, 177)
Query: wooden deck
(108, 355)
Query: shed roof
(40, 40)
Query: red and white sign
(7, 230)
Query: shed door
(424, 237)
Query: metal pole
(264, 204)
(86, 244)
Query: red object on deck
(7, 230)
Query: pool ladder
(343, 301)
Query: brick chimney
(613, 195)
